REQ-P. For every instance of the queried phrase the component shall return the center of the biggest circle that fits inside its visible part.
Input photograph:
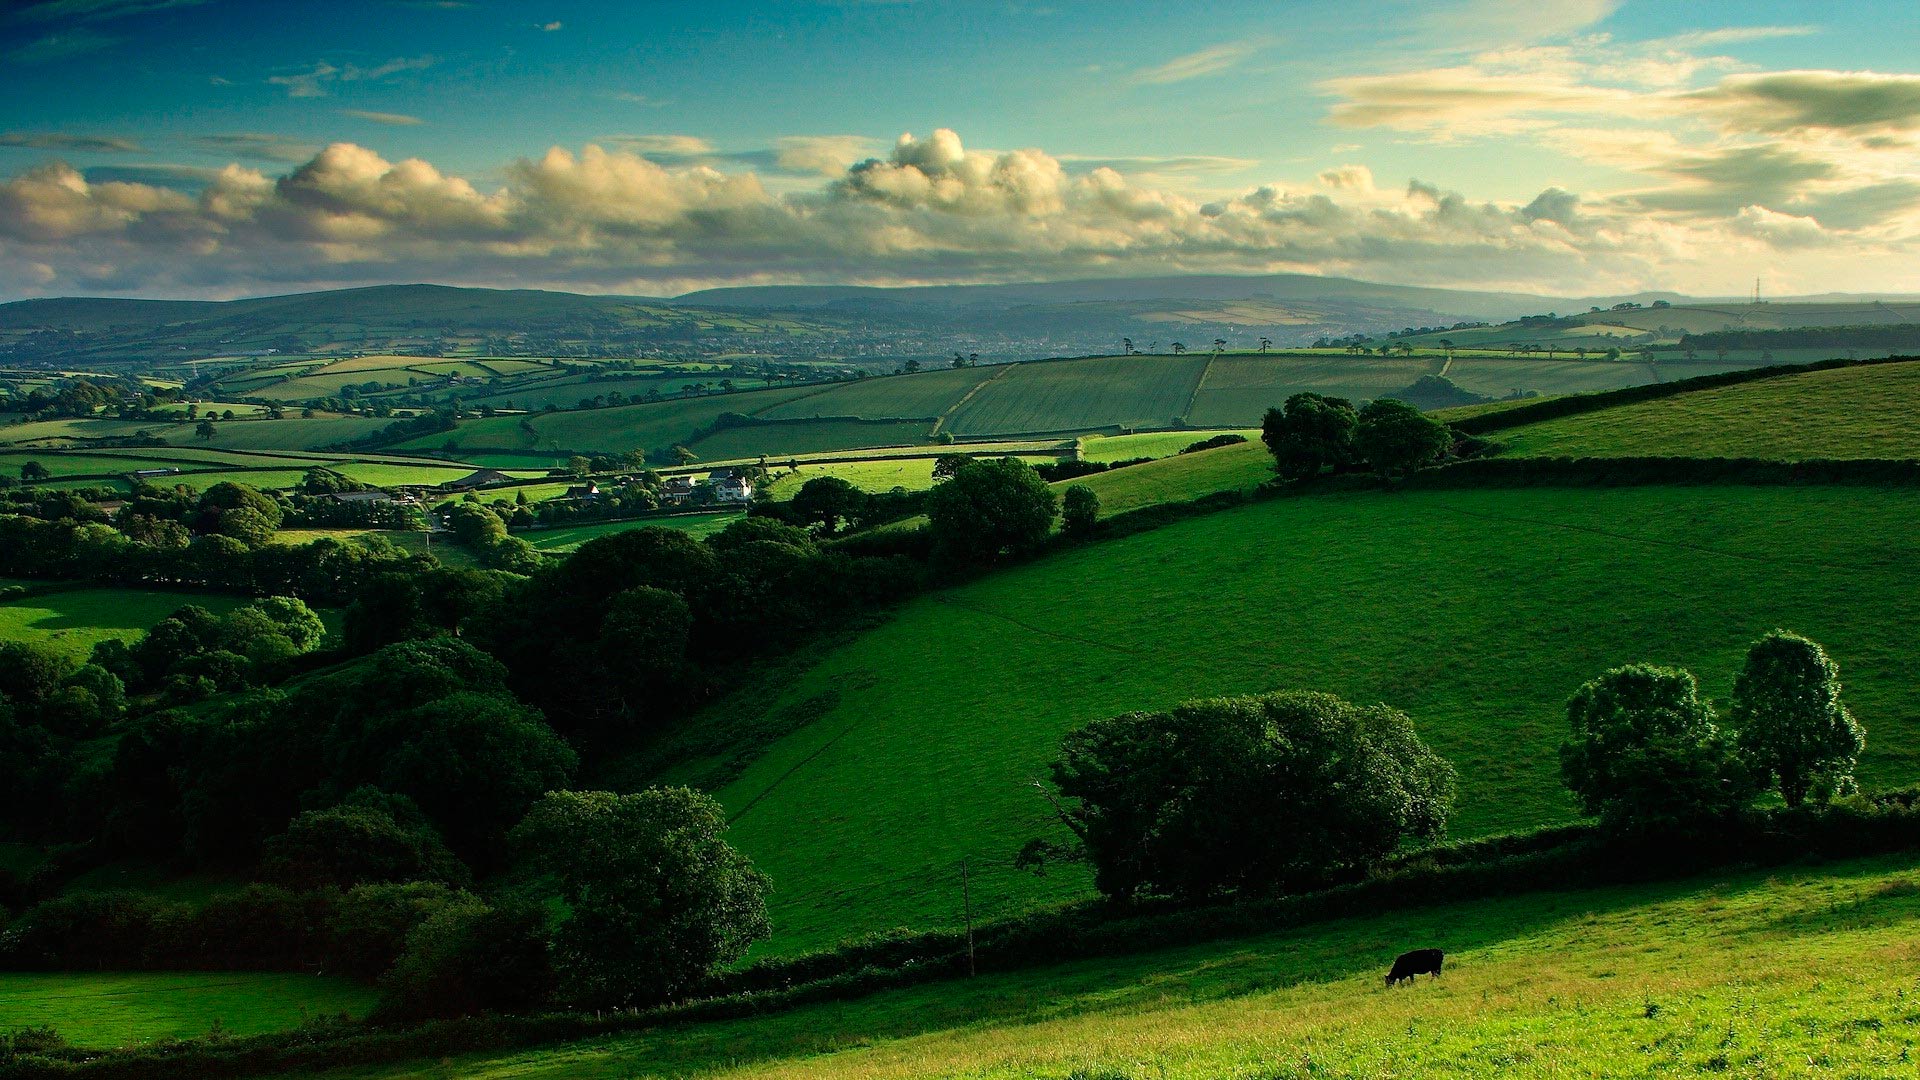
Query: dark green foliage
(1395, 438)
(370, 837)
(471, 958)
(1644, 753)
(990, 509)
(1080, 511)
(643, 644)
(1247, 795)
(656, 899)
(31, 674)
(1311, 433)
(1437, 392)
(370, 923)
(827, 502)
(1791, 725)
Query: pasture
(1795, 973)
(567, 537)
(72, 620)
(1863, 412)
(1108, 391)
(1477, 612)
(1178, 478)
(1149, 444)
(810, 437)
(101, 1009)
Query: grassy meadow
(1797, 973)
(1476, 612)
(101, 1009)
(567, 537)
(73, 620)
(1183, 476)
(1863, 412)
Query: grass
(73, 620)
(1477, 612)
(109, 1009)
(809, 437)
(1240, 389)
(568, 537)
(1150, 444)
(610, 430)
(1123, 391)
(1864, 412)
(1803, 973)
(1183, 476)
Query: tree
(946, 465)
(1178, 348)
(1080, 511)
(294, 619)
(827, 501)
(1126, 345)
(1265, 344)
(684, 456)
(1247, 794)
(245, 524)
(990, 508)
(205, 428)
(656, 899)
(1792, 726)
(1395, 437)
(1644, 754)
(371, 837)
(1312, 432)
(33, 473)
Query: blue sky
(174, 147)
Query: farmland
(566, 538)
(1175, 479)
(1790, 974)
(1863, 412)
(1476, 612)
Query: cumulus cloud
(930, 209)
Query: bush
(1081, 511)
(1247, 795)
(1311, 433)
(1644, 753)
(372, 837)
(1396, 438)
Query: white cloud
(66, 140)
(387, 118)
(316, 82)
(1194, 65)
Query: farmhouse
(142, 474)
(733, 488)
(359, 496)
(479, 479)
(583, 492)
(676, 490)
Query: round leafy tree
(1394, 437)
(1644, 753)
(1792, 725)
(990, 508)
(1312, 432)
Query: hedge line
(1558, 859)
(1575, 404)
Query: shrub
(1312, 432)
(371, 837)
(1394, 437)
(1081, 511)
(1247, 794)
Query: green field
(612, 430)
(1863, 412)
(926, 395)
(110, 1008)
(292, 433)
(1151, 444)
(1477, 612)
(72, 620)
(1798, 973)
(1124, 391)
(568, 537)
(1177, 478)
(810, 437)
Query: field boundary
(940, 421)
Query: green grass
(1183, 476)
(1864, 412)
(1477, 612)
(73, 620)
(611, 430)
(809, 437)
(568, 537)
(109, 1009)
(1123, 391)
(1800, 973)
(925, 395)
(1239, 389)
(1149, 444)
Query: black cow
(1417, 962)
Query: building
(359, 496)
(732, 488)
(479, 479)
(676, 490)
(586, 491)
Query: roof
(479, 479)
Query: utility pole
(966, 906)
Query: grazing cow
(1417, 962)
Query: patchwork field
(568, 537)
(1476, 612)
(1798, 973)
(1862, 412)
(1124, 391)
(108, 1009)
(810, 437)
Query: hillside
(1854, 412)
(1476, 612)
(1773, 973)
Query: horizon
(207, 149)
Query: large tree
(1643, 752)
(1792, 726)
(656, 899)
(1247, 794)
(1310, 433)
(990, 508)
(828, 501)
(1395, 437)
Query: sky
(219, 148)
